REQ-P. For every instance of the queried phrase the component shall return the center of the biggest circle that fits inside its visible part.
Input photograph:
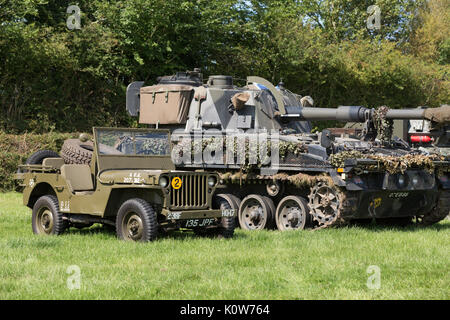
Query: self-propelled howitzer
(320, 180)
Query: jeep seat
(56, 163)
(78, 177)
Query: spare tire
(38, 157)
(74, 151)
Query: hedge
(15, 149)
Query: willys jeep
(131, 184)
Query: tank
(312, 180)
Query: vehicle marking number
(64, 206)
(397, 195)
(199, 223)
(134, 177)
(228, 212)
(177, 183)
(174, 215)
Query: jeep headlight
(212, 180)
(163, 182)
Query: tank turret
(183, 101)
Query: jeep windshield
(132, 142)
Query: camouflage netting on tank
(244, 148)
(390, 164)
(299, 180)
(383, 126)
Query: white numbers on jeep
(228, 212)
(133, 177)
(174, 215)
(64, 206)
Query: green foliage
(17, 148)
(53, 78)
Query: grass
(324, 264)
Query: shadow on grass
(177, 235)
(410, 227)
(183, 235)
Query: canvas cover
(440, 115)
(240, 99)
(165, 104)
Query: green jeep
(131, 183)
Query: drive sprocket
(324, 203)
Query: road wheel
(272, 211)
(227, 224)
(292, 213)
(74, 151)
(46, 218)
(136, 221)
(255, 213)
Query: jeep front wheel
(136, 221)
(46, 217)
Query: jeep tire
(136, 221)
(46, 218)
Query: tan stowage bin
(165, 104)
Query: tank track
(439, 212)
(348, 199)
(345, 198)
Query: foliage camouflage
(299, 180)
(390, 164)
(383, 126)
(244, 148)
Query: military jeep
(131, 184)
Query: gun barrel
(406, 114)
(361, 114)
(343, 113)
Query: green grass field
(323, 264)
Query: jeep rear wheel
(46, 217)
(136, 221)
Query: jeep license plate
(195, 223)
